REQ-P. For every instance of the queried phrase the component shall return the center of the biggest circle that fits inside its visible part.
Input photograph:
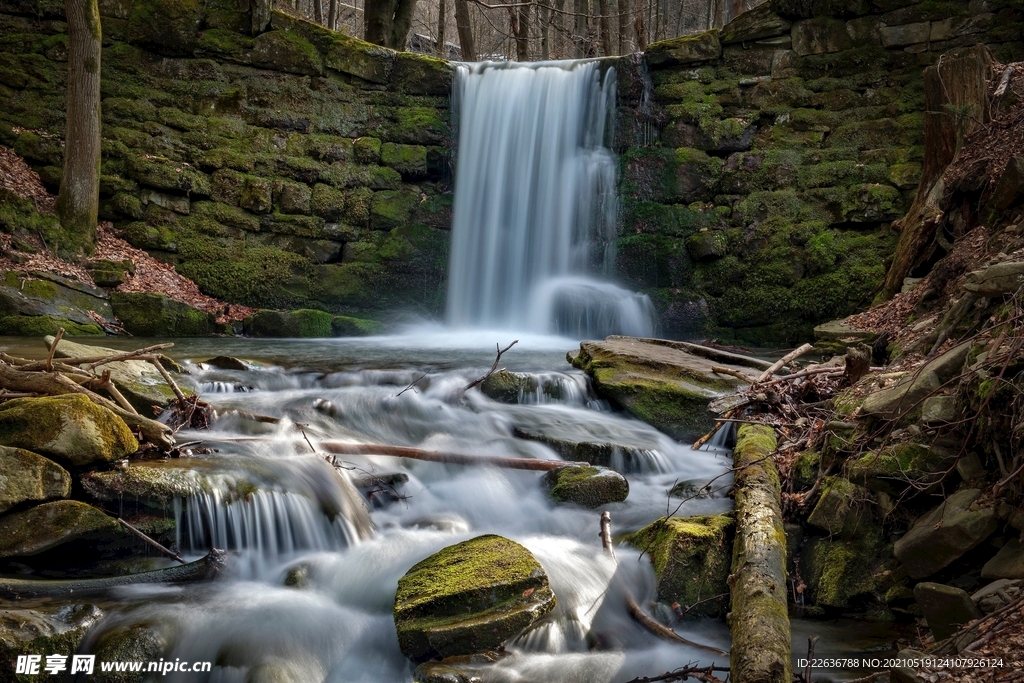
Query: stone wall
(761, 180)
(294, 167)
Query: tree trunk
(318, 12)
(545, 30)
(521, 30)
(559, 22)
(401, 23)
(465, 30)
(759, 621)
(638, 25)
(442, 12)
(388, 22)
(332, 15)
(580, 31)
(623, 9)
(605, 22)
(956, 101)
(79, 199)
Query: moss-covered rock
(53, 300)
(348, 326)
(170, 27)
(49, 525)
(703, 47)
(157, 315)
(139, 382)
(897, 467)
(469, 597)
(585, 485)
(70, 428)
(25, 476)
(140, 642)
(844, 509)
(52, 629)
(944, 534)
(691, 558)
(39, 325)
(289, 324)
(152, 485)
(839, 571)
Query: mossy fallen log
(759, 620)
(200, 570)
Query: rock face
(285, 324)
(34, 304)
(49, 525)
(584, 485)
(945, 534)
(691, 558)
(1007, 564)
(155, 315)
(658, 382)
(905, 395)
(469, 597)
(70, 428)
(138, 381)
(946, 608)
(25, 476)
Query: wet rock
(1002, 278)
(841, 330)
(304, 323)
(469, 597)
(838, 570)
(70, 428)
(943, 535)
(297, 577)
(144, 642)
(156, 315)
(946, 608)
(138, 381)
(347, 326)
(844, 508)
(466, 669)
(507, 386)
(691, 558)
(702, 47)
(25, 476)
(47, 630)
(1007, 564)
(152, 484)
(585, 485)
(661, 384)
(227, 363)
(689, 490)
(578, 445)
(39, 303)
(52, 524)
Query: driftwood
(733, 373)
(494, 367)
(92, 362)
(780, 363)
(56, 384)
(135, 532)
(201, 570)
(760, 621)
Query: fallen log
(780, 363)
(759, 620)
(201, 570)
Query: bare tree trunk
(332, 15)
(623, 9)
(318, 11)
(605, 22)
(79, 198)
(519, 18)
(580, 31)
(388, 22)
(465, 30)
(545, 30)
(442, 51)
(638, 25)
(402, 23)
(560, 28)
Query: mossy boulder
(138, 381)
(895, 468)
(944, 534)
(838, 571)
(39, 325)
(53, 300)
(695, 49)
(348, 326)
(691, 558)
(108, 273)
(585, 485)
(844, 509)
(140, 642)
(287, 51)
(302, 323)
(49, 525)
(157, 315)
(26, 476)
(153, 485)
(507, 386)
(469, 597)
(664, 386)
(51, 629)
(170, 27)
(70, 428)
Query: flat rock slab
(139, 381)
(941, 536)
(1007, 564)
(946, 608)
(52, 524)
(26, 476)
(842, 330)
(665, 386)
(469, 597)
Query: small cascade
(536, 209)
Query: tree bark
(545, 30)
(78, 202)
(332, 15)
(388, 22)
(638, 25)
(519, 18)
(559, 22)
(465, 30)
(402, 23)
(605, 22)
(623, 10)
(318, 12)
(760, 622)
(442, 52)
(956, 101)
(580, 30)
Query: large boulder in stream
(665, 384)
(70, 428)
(27, 477)
(138, 381)
(47, 526)
(585, 485)
(52, 629)
(691, 558)
(469, 597)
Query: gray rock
(943, 535)
(901, 398)
(1009, 188)
(52, 524)
(585, 485)
(906, 674)
(996, 280)
(946, 608)
(908, 34)
(1007, 564)
(760, 22)
(841, 330)
(844, 508)
(227, 363)
(970, 468)
(25, 476)
(819, 36)
(54, 629)
(938, 409)
(702, 47)
(43, 294)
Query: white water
(534, 227)
(338, 628)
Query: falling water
(533, 235)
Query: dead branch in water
(53, 349)
(788, 358)
(704, 674)
(169, 553)
(494, 367)
(732, 373)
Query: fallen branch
(414, 383)
(606, 534)
(167, 378)
(705, 674)
(201, 570)
(53, 349)
(95, 361)
(169, 553)
(494, 366)
(732, 373)
(246, 415)
(788, 358)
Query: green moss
(302, 323)
(42, 325)
(585, 485)
(253, 276)
(347, 326)
(893, 469)
(419, 125)
(805, 469)
(155, 315)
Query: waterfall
(535, 216)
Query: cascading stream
(535, 215)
